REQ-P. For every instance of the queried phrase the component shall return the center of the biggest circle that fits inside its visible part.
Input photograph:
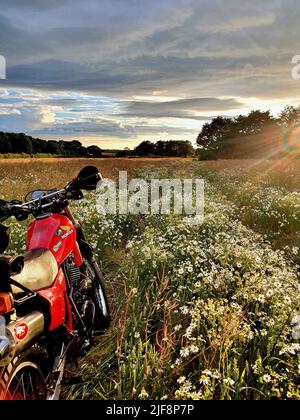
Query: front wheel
(24, 378)
(102, 316)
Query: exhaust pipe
(19, 335)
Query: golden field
(19, 176)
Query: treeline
(23, 144)
(169, 148)
(257, 134)
(20, 143)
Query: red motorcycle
(52, 300)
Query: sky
(116, 72)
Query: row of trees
(215, 135)
(170, 148)
(21, 143)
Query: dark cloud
(184, 108)
(176, 76)
(18, 44)
(53, 74)
(203, 49)
(32, 4)
(189, 48)
(102, 129)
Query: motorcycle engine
(82, 289)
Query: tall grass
(199, 312)
(202, 312)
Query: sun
(288, 144)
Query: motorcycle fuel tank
(56, 233)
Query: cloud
(209, 54)
(82, 117)
(183, 108)
(33, 4)
(9, 111)
(102, 127)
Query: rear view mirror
(87, 179)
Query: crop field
(208, 311)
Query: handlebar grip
(3, 209)
(8, 209)
(4, 238)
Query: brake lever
(20, 213)
(4, 213)
(75, 195)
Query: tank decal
(57, 246)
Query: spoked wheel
(28, 383)
(24, 379)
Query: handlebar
(87, 179)
(58, 199)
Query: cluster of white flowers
(233, 287)
(291, 348)
(232, 300)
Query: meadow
(208, 311)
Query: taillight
(6, 303)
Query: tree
(94, 151)
(160, 148)
(5, 143)
(289, 117)
(22, 143)
(253, 123)
(174, 148)
(124, 153)
(53, 147)
(146, 148)
(39, 146)
(185, 148)
(213, 132)
(74, 144)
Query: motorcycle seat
(39, 272)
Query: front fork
(55, 378)
(85, 248)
